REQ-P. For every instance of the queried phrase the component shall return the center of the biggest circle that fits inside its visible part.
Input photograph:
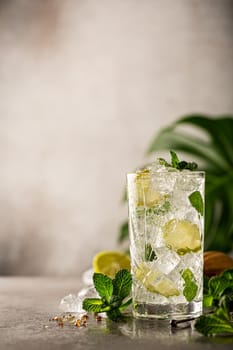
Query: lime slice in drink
(145, 194)
(146, 274)
(166, 287)
(182, 236)
(155, 282)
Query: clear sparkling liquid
(158, 285)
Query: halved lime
(109, 262)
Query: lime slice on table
(155, 282)
(109, 262)
(182, 236)
(145, 194)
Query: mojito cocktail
(166, 221)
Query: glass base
(167, 311)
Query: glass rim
(194, 172)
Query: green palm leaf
(216, 156)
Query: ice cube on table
(167, 260)
(73, 302)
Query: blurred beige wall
(84, 86)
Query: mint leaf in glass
(149, 253)
(166, 206)
(196, 200)
(190, 286)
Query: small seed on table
(98, 318)
(78, 323)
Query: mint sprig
(180, 165)
(113, 294)
(218, 295)
(218, 286)
(176, 163)
(217, 323)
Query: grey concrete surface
(27, 304)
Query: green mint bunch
(177, 163)
(218, 296)
(113, 294)
(217, 287)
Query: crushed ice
(73, 302)
(158, 167)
